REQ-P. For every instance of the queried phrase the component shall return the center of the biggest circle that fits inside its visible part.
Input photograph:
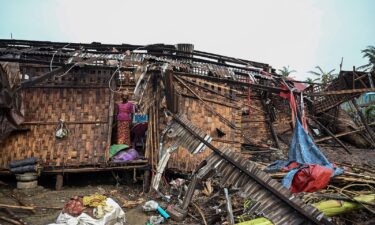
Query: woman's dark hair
(124, 98)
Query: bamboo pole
(333, 136)
(225, 120)
(16, 207)
(9, 220)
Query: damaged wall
(85, 109)
(204, 119)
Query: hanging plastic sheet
(309, 170)
(304, 152)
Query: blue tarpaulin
(303, 151)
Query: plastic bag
(311, 178)
(61, 131)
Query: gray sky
(298, 33)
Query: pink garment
(124, 111)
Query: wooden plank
(110, 122)
(332, 135)
(342, 134)
(342, 92)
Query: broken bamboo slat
(341, 92)
(201, 213)
(211, 100)
(312, 216)
(208, 89)
(337, 135)
(332, 135)
(16, 207)
(15, 216)
(66, 122)
(225, 120)
(9, 220)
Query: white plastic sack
(114, 217)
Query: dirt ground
(51, 201)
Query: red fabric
(290, 97)
(283, 94)
(291, 166)
(299, 86)
(123, 132)
(311, 178)
(248, 94)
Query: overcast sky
(298, 33)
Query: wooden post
(146, 180)
(59, 181)
(332, 135)
(110, 121)
(270, 125)
(363, 120)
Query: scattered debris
(205, 130)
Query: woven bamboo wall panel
(284, 115)
(208, 122)
(86, 115)
(254, 125)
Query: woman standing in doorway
(125, 113)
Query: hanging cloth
(293, 106)
(303, 153)
(303, 114)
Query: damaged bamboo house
(227, 103)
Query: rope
(53, 56)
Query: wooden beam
(225, 120)
(234, 82)
(332, 135)
(111, 111)
(6, 206)
(41, 78)
(342, 134)
(342, 92)
(270, 125)
(94, 169)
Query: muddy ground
(52, 200)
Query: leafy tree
(310, 80)
(324, 77)
(286, 71)
(369, 53)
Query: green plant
(286, 71)
(310, 80)
(324, 77)
(369, 53)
